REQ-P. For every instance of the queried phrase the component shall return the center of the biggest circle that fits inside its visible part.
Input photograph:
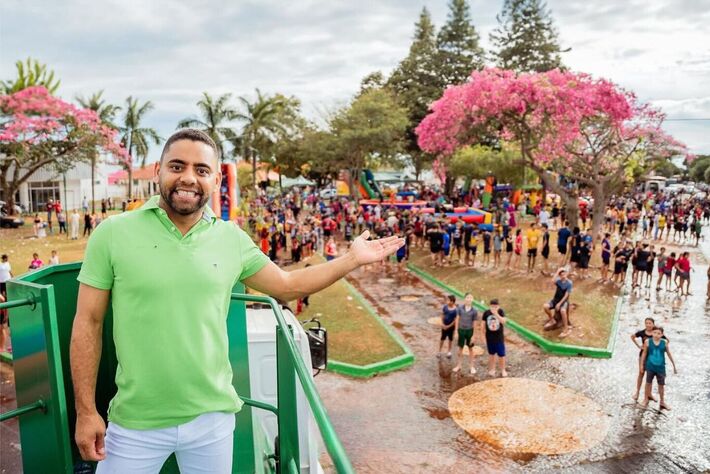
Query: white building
(46, 184)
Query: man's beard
(185, 209)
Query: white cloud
(170, 51)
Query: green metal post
(39, 376)
(330, 437)
(286, 393)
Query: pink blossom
(33, 116)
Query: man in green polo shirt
(169, 268)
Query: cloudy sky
(169, 51)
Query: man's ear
(156, 172)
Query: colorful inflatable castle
(469, 215)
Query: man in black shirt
(436, 240)
(494, 319)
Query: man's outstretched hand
(370, 251)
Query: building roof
(140, 174)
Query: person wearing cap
(494, 319)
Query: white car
(328, 193)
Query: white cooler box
(261, 336)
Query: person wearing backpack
(494, 319)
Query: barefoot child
(654, 356)
(494, 319)
(643, 334)
(467, 315)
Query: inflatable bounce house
(469, 215)
(224, 201)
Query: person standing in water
(494, 319)
(655, 350)
(466, 316)
(448, 321)
(644, 334)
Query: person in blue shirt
(654, 357)
(445, 247)
(563, 236)
(448, 322)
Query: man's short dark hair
(191, 134)
(494, 301)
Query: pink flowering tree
(578, 133)
(38, 130)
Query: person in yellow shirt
(661, 227)
(532, 236)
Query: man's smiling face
(188, 174)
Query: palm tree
(136, 138)
(30, 73)
(106, 113)
(261, 125)
(215, 113)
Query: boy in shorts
(606, 257)
(449, 312)
(466, 317)
(655, 350)
(494, 319)
(682, 266)
(486, 248)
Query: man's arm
(288, 286)
(85, 354)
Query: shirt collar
(207, 213)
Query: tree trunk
(598, 209)
(130, 182)
(253, 174)
(354, 188)
(130, 166)
(570, 200)
(449, 183)
(8, 191)
(93, 182)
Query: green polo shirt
(170, 295)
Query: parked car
(328, 193)
(11, 221)
(3, 208)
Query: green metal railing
(41, 330)
(288, 361)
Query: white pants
(203, 445)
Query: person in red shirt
(682, 267)
(331, 249)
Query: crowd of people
(70, 225)
(644, 234)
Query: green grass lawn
(522, 297)
(19, 244)
(354, 336)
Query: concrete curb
(555, 348)
(370, 370)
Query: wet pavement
(400, 422)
